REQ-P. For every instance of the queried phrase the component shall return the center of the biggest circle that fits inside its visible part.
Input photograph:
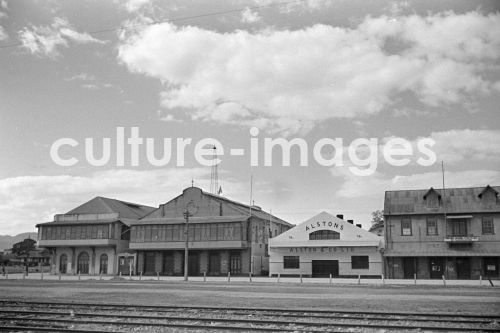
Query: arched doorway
(103, 264)
(83, 263)
(63, 264)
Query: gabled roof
(350, 235)
(486, 189)
(102, 205)
(456, 201)
(211, 204)
(430, 191)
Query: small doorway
(490, 266)
(63, 264)
(214, 264)
(323, 268)
(83, 263)
(149, 263)
(235, 264)
(193, 264)
(103, 264)
(436, 268)
(168, 263)
(463, 268)
(126, 265)
(409, 265)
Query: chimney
(358, 225)
(340, 216)
(350, 221)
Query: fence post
(41, 276)
(120, 274)
(250, 276)
(330, 279)
(205, 276)
(158, 275)
(480, 280)
(359, 279)
(24, 275)
(228, 277)
(7, 276)
(300, 277)
(78, 275)
(278, 277)
(140, 276)
(59, 276)
(444, 280)
(100, 276)
(415, 278)
(383, 280)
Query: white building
(325, 245)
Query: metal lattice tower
(214, 175)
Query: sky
(306, 69)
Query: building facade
(326, 245)
(434, 233)
(224, 236)
(92, 238)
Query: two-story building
(223, 236)
(433, 233)
(93, 238)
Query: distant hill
(7, 241)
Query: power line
(132, 26)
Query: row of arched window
(82, 263)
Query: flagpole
(444, 201)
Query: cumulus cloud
(46, 40)
(355, 187)
(134, 5)
(291, 80)
(456, 146)
(28, 200)
(249, 16)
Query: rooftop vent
(358, 225)
(340, 216)
(350, 221)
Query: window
(406, 227)
(432, 227)
(94, 232)
(488, 228)
(324, 234)
(360, 262)
(290, 262)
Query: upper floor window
(432, 227)
(406, 227)
(488, 228)
(324, 234)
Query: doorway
(463, 268)
(436, 268)
(323, 268)
(235, 264)
(409, 265)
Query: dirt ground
(480, 300)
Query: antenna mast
(214, 175)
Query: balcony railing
(461, 239)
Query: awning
(458, 217)
(446, 253)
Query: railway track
(17, 316)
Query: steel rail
(311, 311)
(229, 320)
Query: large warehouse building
(92, 238)
(326, 245)
(224, 236)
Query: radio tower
(214, 175)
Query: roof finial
(192, 182)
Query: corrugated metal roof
(456, 200)
(78, 222)
(193, 219)
(102, 205)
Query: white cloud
(249, 16)
(456, 146)
(45, 40)
(292, 80)
(28, 200)
(372, 186)
(134, 5)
